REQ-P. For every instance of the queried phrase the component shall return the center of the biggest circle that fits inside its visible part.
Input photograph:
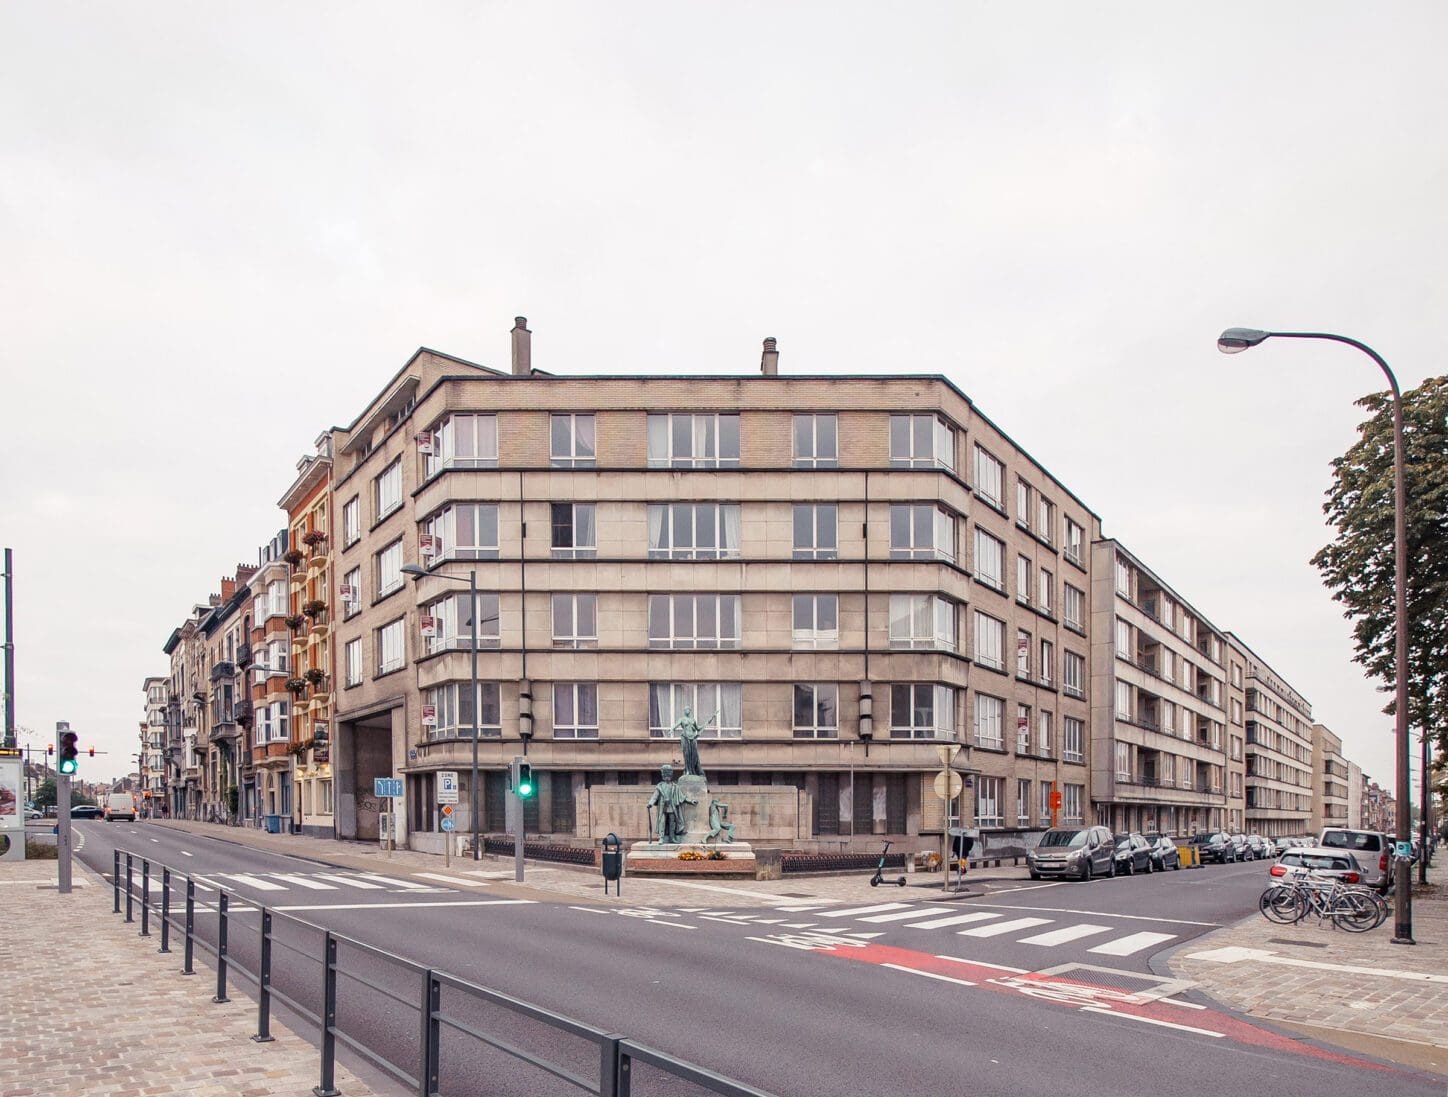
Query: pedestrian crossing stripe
(997, 929)
(451, 879)
(1125, 946)
(350, 881)
(1061, 936)
(953, 920)
(901, 915)
(302, 882)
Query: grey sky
(224, 226)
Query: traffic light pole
(519, 827)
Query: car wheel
(1150, 868)
(1131, 866)
(1086, 871)
(1035, 876)
(1111, 872)
(1176, 866)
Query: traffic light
(523, 779)
(69, 752)
(91, 751)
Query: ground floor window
(324, 796)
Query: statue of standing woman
(689, 729)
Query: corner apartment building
(1329, 781)
(153, 746)
(226, 756)
(1279, 751)
(266, 659)
(1158, 702)
(837, 573)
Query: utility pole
(64, 737)
(9, 649)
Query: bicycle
(1354, 908)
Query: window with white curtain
(1023, 653)
(922, 710)
(1023, 801)
(464, 531)
(452, 626)
(989, 716)
(989, 641)
(1073, 674)
(575, 710)
(387, 490)
(990, 554)
(389, 568)
(575, 620)
(923, 621)
(694, 620)
(988, 802)
(719, 703)
(1124, 646)
(464, 442)
(391, 649)
(350, 593)
(352, 660)
(1073, 739)
(817, 710)
(990, 477)
(1071, 800)
(574, 529)
(1074, 537)
(693, 440)
(1023, 729)
(1073, 607)
(452, 704)
(571, 440)
(921, 441)
(693, 531)
(351, 522)
(816, 621)
(921, 531)
(816, 534)
(1124, 709)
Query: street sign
(387, 788)
(447, 811)
(947, 752)
(447, 786)
(448, 824)
(948, 789)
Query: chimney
(228, 588)
(522, 347)
(769, 360)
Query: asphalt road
(1033, 988)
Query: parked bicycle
(1352, 907)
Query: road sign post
(447, 798)
(64, 739)
(948, 786)
(389, 789)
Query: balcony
(222, 670)
(243, 656)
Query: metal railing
(617, 1054)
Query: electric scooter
(879, 877)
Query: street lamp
(474, 799)
(1236, 340)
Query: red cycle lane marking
(1092, 998)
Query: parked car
(1282, 845)
(1214, 845)
(1371, 847)
(33, 813)
(85, 811)
(1337, 863)
(1260, 847)
(1240, 847)
(1081, 852)
(1164, 854)
(1133, 852)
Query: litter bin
(1190, 856)
(612, 862)
(273, 824)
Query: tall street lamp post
(474, 799)
(1236, 340)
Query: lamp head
(413, 570)
(1236, 340)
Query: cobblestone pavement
(93, 1011)
(545, 881)
(1314, 975)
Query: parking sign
(447, 786)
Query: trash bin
(612, 860)
(273, 824)
(1189, 856)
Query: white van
(121, 805)
(1372, 848)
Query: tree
(45, 795)
(1358, 567)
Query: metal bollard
(327, 1088)
(221, 952)
(263, 982)
(165, 910)
(145, 897)
(129, 897)
(430, 1038)
(186, 968)
(116, 883)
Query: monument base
(716, 859)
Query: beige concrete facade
(1236, 741)
(152, 745)
(1330, 781)
(916, 594)
(1159, 703)
(1279, 751)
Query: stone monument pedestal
(716, 858)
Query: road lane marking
(998, 928)
(929, 975)
(982, 963)
(350, 881)
(954, 920)
(1101, 914)
(413, 906)
(1061, 936)
(1135, 942)
(859, 910)
(800, 925)
(862, 936)
(252, 881)
(451, 879)
(301, 882)
(204, 883)
(185, 854)
(1151, 1021)
(901, 915)
(1234, 954)
(1028, 887)
(392, 881)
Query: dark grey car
(1079, 852)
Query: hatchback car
(1260, 847)
(1133, 852)
(1164, 853)
(1213, 845)
(1337, 863)
(1082, 852)
(1239, 846)
(85, 811)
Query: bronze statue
(719, 821)
(689, 729)
(670, 799)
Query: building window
(571, 440)
(352, 660)
(1023, 729)
(815, 531)
(1123, 761)
(921, 441)
(919, 531)
(1043, 734)
(921, 710)
(1124, 646)
(816, 621)
(1123, 578)
(1023, 653)
(575, 710)
(693, 531)
(693, 441)
(274, 603)
(990, 554)
(350, 593)
(575, 620)
(816, 441)
(1071, 799)
(1074, 537)
(1073, 607)
(447, 625)
(391, 647)
(694, 620)
(387, 489)
(1048, 662)
(1045, 519)
(575, 534)
(389, 569)
(988, 802)
(464, 442)
(273, 722)
(990, 639)
(351, 522)
(817, 711)
(1046, 591)
(324, 796)
(1073, 674)
(452, 710)
(923, 621)
(463, 531)
(1073, 739)
(989, 715)
(1123, 701)
(1023, 580)
(1023, 802)
(990, 477)
(718, 706)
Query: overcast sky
(223, 227)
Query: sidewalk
(94, 1011)
(1353, 989)
(554, 882)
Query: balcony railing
(222, 670)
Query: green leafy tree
(45, 795)
(1359, 565)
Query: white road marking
(252, 881)
(1152, 1021)
(412, 906)
(1028, 887)
(666, 922)
(156, 840)
(982, 963)
(1061, 936)
(185, 854)
(801, 908)
(929, 975)
(1135, 942)
(350, 881)
(301, 882)
(1234, 954)
(726, 921)
(901, 915)
(592, 910)
(859, 910)
(391, 881)
(1100, 914)
(862, 936)
(953, 920)
(451, 879)
(998, 928)
(1179, 1002)
(769, 921)
(204, 883)
(800, 925)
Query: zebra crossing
(419, 883)
(1037, 931)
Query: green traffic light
(525, 789)
(69, 765)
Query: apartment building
(1158, 702)
(1379, 808)
(186, 701)
(1279, 751)
(1330, 781)
(836, 573)
(267, 661)
(153, 745)
(1354, 796)
(223, 631)
(1236, 741)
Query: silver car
(1079, 852)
